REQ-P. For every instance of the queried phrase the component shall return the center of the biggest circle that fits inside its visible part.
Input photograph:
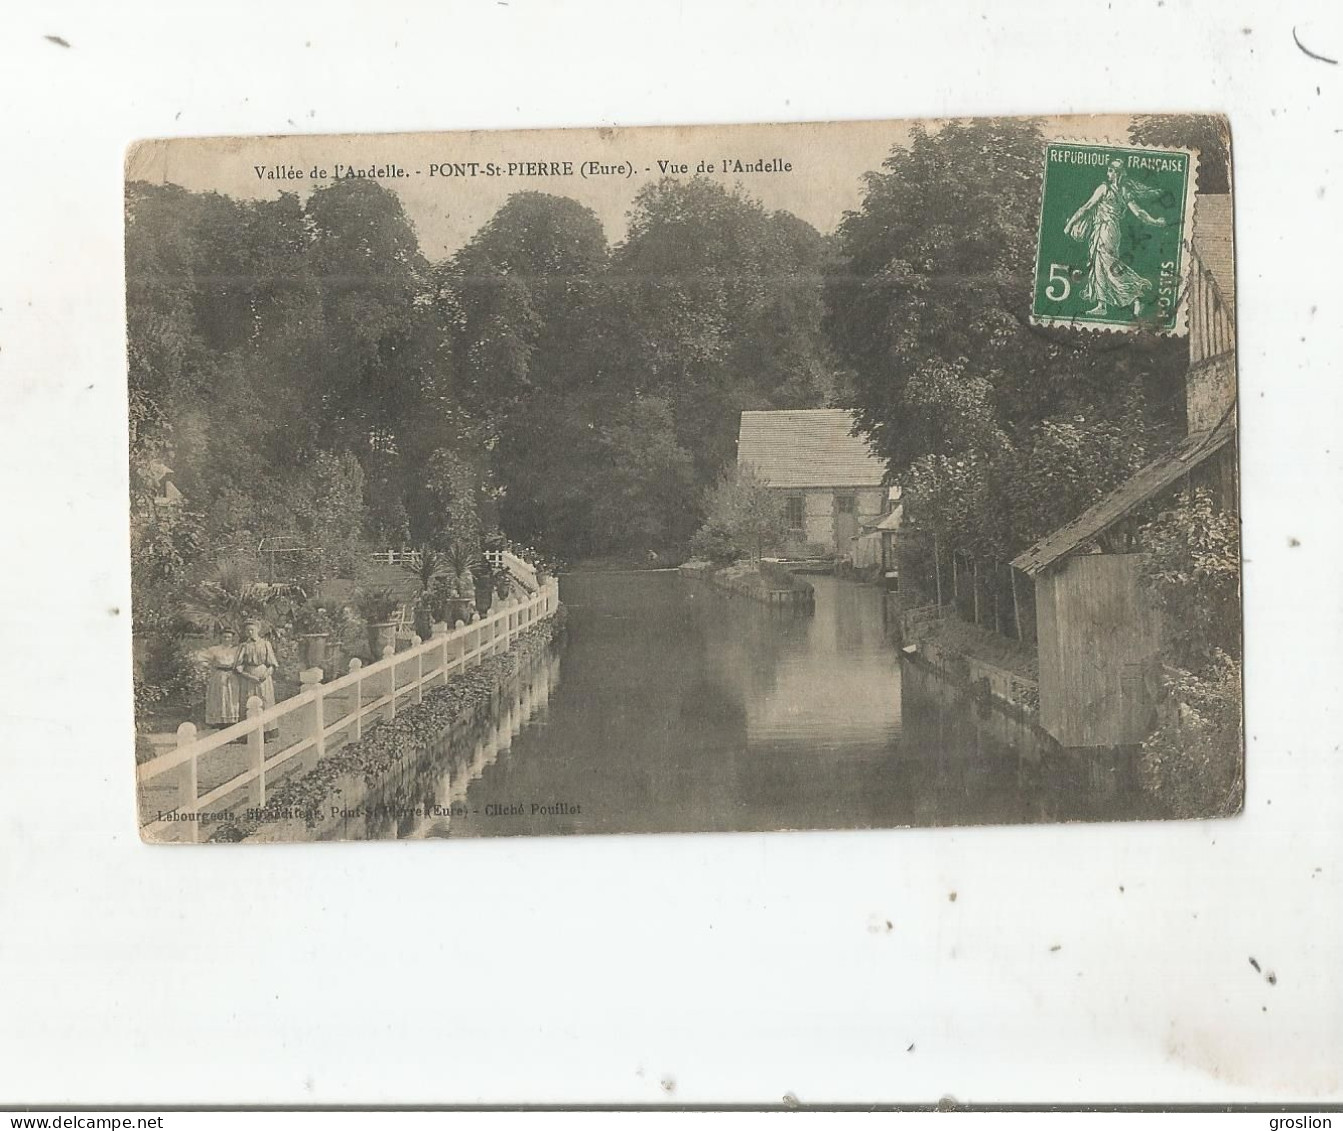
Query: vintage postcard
(804, 476)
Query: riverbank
(302, 807)
(767, 582)
(1000, 672)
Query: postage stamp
(1111, 249)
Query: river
(673, 707)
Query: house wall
(820, 510)
(817, 537)
(1210, 390)
(1099, 647)
(871, 504)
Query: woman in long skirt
(222, 707)
(255, 666)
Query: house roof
(1150, 481)
(1214, 240)
(807, 448)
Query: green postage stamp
(1114, 227)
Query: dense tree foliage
(1193, 759)
(744, 516)
(282, 358)
(720, 307)
(317, 387)
(1001, 428)
(1204, 132)
(610, 381)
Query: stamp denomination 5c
(1113, 224)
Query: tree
(519, 300)
(516, 294)
(722, 305)
(1192, 570)
(231, 596)
(365, 260)
(1205, 132)
(329, 514)
(744, 515)
(1193, 760)
(447, 510)
(648, 495)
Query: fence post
(355, 664)
(415, 643)
(312, 678)
(388, 652)
(186, 735)
(256, 747)
(443, 647)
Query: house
(830, 482)
(1097, 637)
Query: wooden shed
(1099, 639)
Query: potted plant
(378, 607)
(460, 563)
(314, 623)
(426, 566)
(490, 581)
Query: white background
(695, 968)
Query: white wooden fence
(396, 557)
(521, 569)
(179, 788)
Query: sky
(448, 205)
(814, 170)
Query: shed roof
(1150, 481)
(807, 448)
(893, 520)
(1214, 243)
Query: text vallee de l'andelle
(466, 169)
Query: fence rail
(522, 570)
(179, 788)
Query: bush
(712, 542)
(1193, 762)
(313, 617)
(169, 676)
(744, 516)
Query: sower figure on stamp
(1111, 281)
(256, 665)
(222, 705)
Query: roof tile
(807, 448)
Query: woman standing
(1111, 281)
(255, 666)
(222, 706)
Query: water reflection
(681, 708)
